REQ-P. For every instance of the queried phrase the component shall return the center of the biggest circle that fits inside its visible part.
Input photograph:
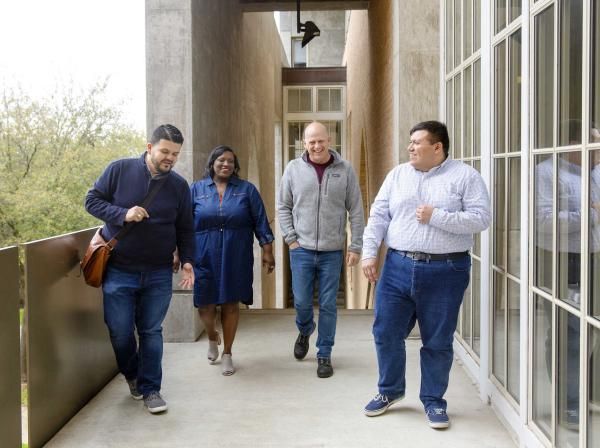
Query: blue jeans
(307, 266)
(137, 301)
(430, 293)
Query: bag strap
(145, 203)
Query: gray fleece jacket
(315, 215)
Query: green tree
(51, 151)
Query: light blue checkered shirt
(461, 208)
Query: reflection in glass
(499, 324)
(468, 142)
(569, 227)
(593, 417)
(500, 15)
(542, 364)
(515, 10)
(543, 224)
(468, 30)
(449, 34)
(500, 97)
(570, 41)
(499, 216)
(514, 92)
(457, 141)
(595, 72)
(514, 216)
(514, 339)
(457, 31)
(594, 232)
(476, 290)
(567, 378)
(476, 25)
(476, 108)
(544, 78)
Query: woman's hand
(268, 261)
(187, 277)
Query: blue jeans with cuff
(137, 300)
(430, 293)
(307, 266)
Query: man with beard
(137, 285)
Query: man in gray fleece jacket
(318, 191)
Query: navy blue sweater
(151, 242)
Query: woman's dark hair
(166, 132)
(438, 132)
(217, 152)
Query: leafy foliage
(51, 151)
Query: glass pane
(499, 341)
(476, 25)
(543, 224)
(468, 28)
(335, 133)
(595, 73)
(542, 364)
(499, 219)
(466, 316)
(515, 9)
(594, 388)
(457, 33)
(569, 226)
(467, 146)
(500, 15)
(567, 372)
(306, 100)
(450, 112)
(298, 53)
(476, 289)
(335, 100)
(295, 135)
(544, 78)
(514, 339)
(323, 100)
(514, 92)
(293, 100)
(570, 41)
(476, 108)
(457, 141)
(500, 97)
(449, 36)
(477, 236)
(514, 216)
(594, 239)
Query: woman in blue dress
(228, 213)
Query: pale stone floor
(275, 401)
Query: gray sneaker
(154, 402)
(135, 394)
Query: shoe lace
(436, 411)
(382, 398)
(153, 395)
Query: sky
(46, 44)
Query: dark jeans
(137, 301)
(431, 293)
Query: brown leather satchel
(95, 259)
(93, 264)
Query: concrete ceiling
(305, 5)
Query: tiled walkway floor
(275, 401)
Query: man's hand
(369, 267)
(294, 245)
(352, 258)
(424, 213)
(187, 276)
(136, 214)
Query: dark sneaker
(135, 394)
(379, 404)
(154, 402)
(437, 418)
(325, 369)
(301, 346)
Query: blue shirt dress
(224, 234)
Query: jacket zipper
(319, 203)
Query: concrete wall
(392, 58)
(216, 72)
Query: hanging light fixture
(310, 29)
